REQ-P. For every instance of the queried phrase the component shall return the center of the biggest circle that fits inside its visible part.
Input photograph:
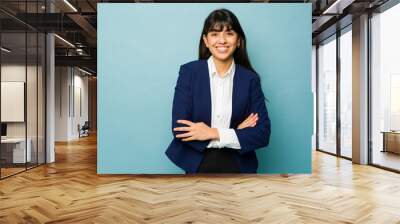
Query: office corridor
(70, 191)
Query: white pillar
(360, 90)
(50, 91)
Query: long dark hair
(216, 21)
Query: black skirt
(219, 160)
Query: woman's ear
(205, 40)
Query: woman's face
(222, 44)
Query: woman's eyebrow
(215, 30)
(220, 30)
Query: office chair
(84, 130)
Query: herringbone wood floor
(70, 191)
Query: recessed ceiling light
(64, 40)
(5, 50)
(337, 7)
(70, 5)
(84, 71)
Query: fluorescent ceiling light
(65, 41)
(5, 50)
(86, 72)
(338, 6)
(331, 7)
(70, 5)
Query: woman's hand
(196, 131)
(250, 121)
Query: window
(327, 95)
(346, 92)
(385, 88)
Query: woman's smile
(222, 49)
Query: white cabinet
(18, 149)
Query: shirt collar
(213, 69)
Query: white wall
(71, 93)
(15, 72)
(80, 105)
(33, 127)
(62, 81)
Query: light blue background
(140, 49)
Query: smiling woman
(219, 116)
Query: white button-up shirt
(221, 106)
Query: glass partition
(14, 153)
(32, 95)
(22, 77)
(327, 95)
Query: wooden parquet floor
(70, 191)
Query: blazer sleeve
(256, 137)
(182, 107)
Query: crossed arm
(201, 131)
(252, 133)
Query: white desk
(18, 149)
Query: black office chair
(84, 130)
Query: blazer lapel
(207, 93)
(235, 92)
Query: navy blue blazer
(192, 101)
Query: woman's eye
(213, 34)
(230, 33)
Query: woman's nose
(221, 39)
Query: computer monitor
(3, 129)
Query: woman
(219, 117)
